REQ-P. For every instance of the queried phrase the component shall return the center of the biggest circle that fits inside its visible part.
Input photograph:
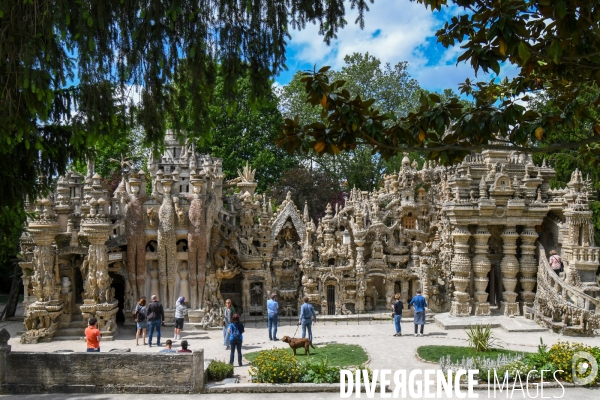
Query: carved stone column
(510, 268)
(98, 296)
(481, 268)
(461, 270)
(42, 318)
(528, 266)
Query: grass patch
(456, 353)
(341, 355)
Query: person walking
(168, 348)
(307, 312)
(184, 347)
(93, 336)
(156, 318)
(419, 303)
(555, 262)
(235, 332)
(228, 312)
(397, 307)
(272, 316)
(180, 310)
(140, 316)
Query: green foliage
(315, 187)
(554, 48)
(433, 353)
(319, 372)
(275, 366)
(336, 354)
(394, 92)
(322, 366)
(245, 132)
(11, 226)
(219, 370)
(561, 356)
(68, 70)
(481, 338)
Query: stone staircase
(561, 305)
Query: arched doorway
(118, 284)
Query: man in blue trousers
(272, 317)
(307, 312)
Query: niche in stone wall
(182, 246)
(152, 246)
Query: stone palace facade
(474, 237)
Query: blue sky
(395, 30)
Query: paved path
(385, 351)
(575, 393)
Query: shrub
(275, 366)
(481, 338)
(319, 372)
(561, 356)
(219, 370)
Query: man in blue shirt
(272, 317)
(419, 303)
(307, 312)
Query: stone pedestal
(528, 266)
(461, 270)
(510, 268)
(195, 316)
(481, 268)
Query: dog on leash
(297, 343)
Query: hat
(181, 300)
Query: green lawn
(456, 353)
(342, 355)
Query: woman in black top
(397, 307)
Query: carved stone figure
(135, 235)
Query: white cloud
(406, 30)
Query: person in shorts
(180, 310)
(141, 321)
(93, 336)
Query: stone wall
(25, 372)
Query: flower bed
(558, 358)
(280, 366)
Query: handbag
(151, 316)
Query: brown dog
(296, 343)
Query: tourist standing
(555, 262)
(272, 317)
(184, 347)
(419, 303)
(156, 317)
(307, 312)
(235, 332)
(180, 310)
(397, 307)
(228, 312)
(168, 349)
(140, 315)
(93, 336)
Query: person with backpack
(556, 262)
(235, 332)
(228, 311)
(141, 322)
(156, 318)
